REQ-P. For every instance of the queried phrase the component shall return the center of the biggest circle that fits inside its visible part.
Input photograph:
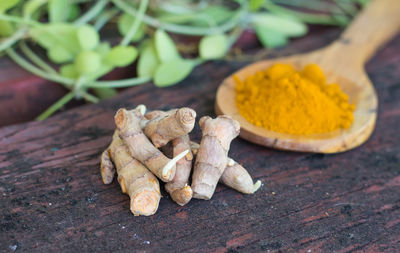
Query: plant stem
(182, 18)
(31, 68)
(138, 19)
(104, 18)
(36, 59)
(79, 1)
(119, 83)
(305, 17)
(90, 98)
(8, 42)
(347, 7)
(93, 12)
(66, 82)
(56, 106)
(16, 19)
(234, 36)
(316, 5)
(182, 29)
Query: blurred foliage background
(152, 37)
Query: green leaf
(61, 34)
(104, 93)
(69, 71)
(88, 62)
(363, 3)
(165, 46)
(213, 46)
(216, 13)
(270, 38)
(59, 54)
(148, 61)
(172, 72)
(6, 28)
(124, 24)
(7, 4)
(121, 56)
(32, 6)
(285, 26)
(58, 10)
(74, 12)
(255, 5)
(101, 71)
(88, 37)
(103, 48)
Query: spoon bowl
(342, 63)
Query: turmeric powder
(284, 100)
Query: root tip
(257, 186)
(141, 108)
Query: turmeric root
(178, 188)
(166, 126)
(135, 180)
(212, 156)
(107, 169)
(234, 176)
(237, 177)
(128, 124)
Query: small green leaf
(88, 37)
(172, 72)
(87, 62)
(104, 93)
(255, 5)
(121, 56)
(6, 28)
(59, 54)
(148, 61)
(7, 4)
(74, 12)
(213, 46)
(58, 10)
(270, 38)
(124, 24)
(165, 46)
(69, 71)
(103, 48)
(283, 25)
(61, 34)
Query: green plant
(77, 57)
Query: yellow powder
(284, 100)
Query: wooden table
(52, 197)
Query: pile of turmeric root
(147, 146)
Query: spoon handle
(376, 24)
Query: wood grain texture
(343, 63)
(52, 198)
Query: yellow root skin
(128, 125)
(180, 192)
(234, 176)
(143, 203)
(107, 169)
(135, 179)
(212, 156)
(182, 196)
(166, 126)
(237, 177)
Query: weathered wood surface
(52, 197)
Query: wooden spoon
(343, 63)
